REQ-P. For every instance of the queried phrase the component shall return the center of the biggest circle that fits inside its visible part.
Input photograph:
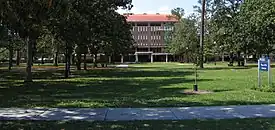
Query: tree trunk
(85, 62)
(67, 66)
(42, 60)
(10, 56)
(95, 60)
(30, 43)
(18, 57)
(231, 61)
(202, 34)
(78, 62)
(245, 59)
(231, 58)
(255, 57)
(67, 61)
(72, 59)
(239, 58)
(56, 55)
(55, 59)
(215, 59)
(33, 51)
(222, 56)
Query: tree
(26, 18)
(120, 40)
(9, 40)
(258, 22)
(185, 38)
(45, 47)
(6, 40)
(65, 19)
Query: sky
(160, 6)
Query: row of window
(145, 37)
(146, 44)
(142, 44)
(151, 28)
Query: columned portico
(149, 54)
(162, 54)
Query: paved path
(129, 114)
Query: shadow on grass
(105, 88)
(226, 68)
(92, 93)
(256, 65)
(105, 93)
(232, 124)
(19, 74)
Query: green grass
(234, 124)
(141, 85)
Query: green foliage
(184, 38)
(76, 24)
(4, 54)
(44, 46)
(238, 27)
(258, 22)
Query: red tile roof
(150, 18)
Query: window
(138, 37)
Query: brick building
(149, 32)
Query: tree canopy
(79, 24)
(233, 27)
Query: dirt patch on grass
(192, 92)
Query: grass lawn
(235, 124)
(141, 85)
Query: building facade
(149, 32)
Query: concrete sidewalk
(130, 114)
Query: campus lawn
(141, 85)
(234, 124)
